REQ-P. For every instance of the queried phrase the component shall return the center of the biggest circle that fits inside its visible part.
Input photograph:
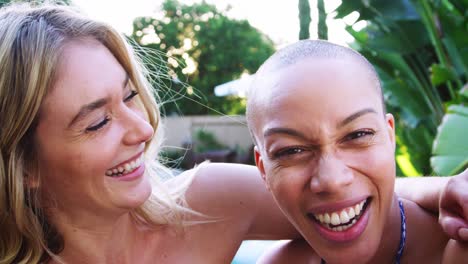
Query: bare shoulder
(219, 185)
(455, 252)
(236, 195)
(294, 251)
(425, 239)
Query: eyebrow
(355, 116)
(285, 131)
(297, 134)
(88, 108)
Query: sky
(278, 19)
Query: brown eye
(359, 134)
(288, 152)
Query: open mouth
(341, 220)
(125, 168)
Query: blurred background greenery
(419, 48)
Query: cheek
(78, 160)
(287, 187)
(378, 158)
(379, 166)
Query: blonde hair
(31, 42)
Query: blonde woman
(79, 177)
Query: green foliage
(36, 2)
(200, 46)
(206, 141)
(450, 154)
(322, 21)
(304, 19)
(420, 50)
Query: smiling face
(91, 136)
(326, 151)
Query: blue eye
(133, 93)
(98, 126)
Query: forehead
(319, 88)
(87, 70)
(322, 76)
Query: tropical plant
(322, 29)
(420, 50)
(304, 19)
(35, 2)
(199, 45)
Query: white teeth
(320, 216)
(351, 213)
(357, 209)
(335, 219)
(340, 219)
(126, 168)
(344, 218)
(326, 218)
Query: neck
(96, 241)
(390, 241)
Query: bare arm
(425, 191)
(237, 192)
(445, 195)
(455, 252)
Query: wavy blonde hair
(31, 42)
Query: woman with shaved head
(325, 148)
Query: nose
(138, 129)
(331, 174)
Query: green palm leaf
(450, 150)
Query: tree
(5, 2)
(304, 19)
(199, 47)
(322, 21)
(419, 49)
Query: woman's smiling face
(326, 151)
(91, 135)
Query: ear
(391, 128)
(259, 164)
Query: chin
(134, 197)
(355, 254)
